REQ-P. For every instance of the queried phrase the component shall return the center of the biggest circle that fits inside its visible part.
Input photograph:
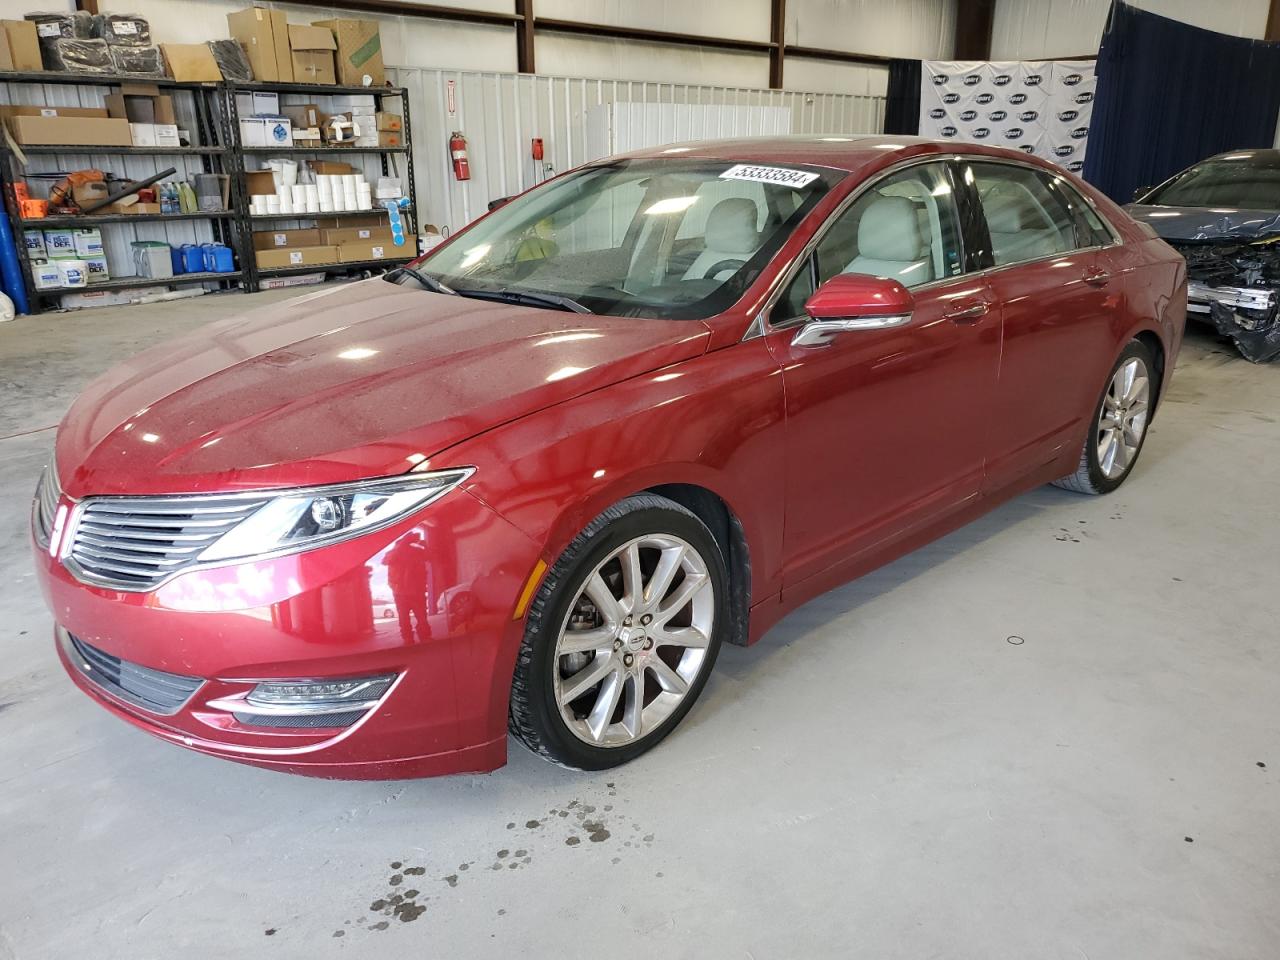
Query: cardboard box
(295, 256)
(307, 137)
(265, 36)
(7, 111)
(190, 62)
(359, 46)
(387, 138)
(389, 121)
(364, 220)
(260, 183)
(355, 251)
(312, 51)
(167, 135)
(273, 239)
(302, 114)
(330, 166)
(140, 103)
(266, 132)
(71, 131)
(143, 134)
(254, 102)
(21, 48)
(369, 233)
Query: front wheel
(1119, 425)
(621, 636)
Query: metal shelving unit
(211, 135)
(387, 155)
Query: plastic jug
(221, 258)
(192, 258)
(175, 254)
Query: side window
(904, 227)
(1025, 218)
(1090, 230)
(791, 304)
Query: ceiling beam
(431, 11)
(840, 56)
(600, 30)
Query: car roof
(853, 153)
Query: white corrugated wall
(500, 114)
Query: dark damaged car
(1223, 216)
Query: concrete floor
(887, 774)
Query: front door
(885, 428)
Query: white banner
(1036, 106)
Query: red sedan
(532, 482)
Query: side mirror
(854, 301)
(1141, 192)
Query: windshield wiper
(528, 298)
(428, 281)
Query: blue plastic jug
(192, 258)
(175, 255)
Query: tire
(1103, 466)
(585, 727)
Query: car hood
(356, 381)
(1206, 223)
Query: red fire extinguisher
(458, 153)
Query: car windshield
(1236, 180)
(673, 239)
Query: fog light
(319, 696)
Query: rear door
(1051, 271)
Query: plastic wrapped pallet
(77, 56)
(231, 60)
(143, 61)
(122, 29)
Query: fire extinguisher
(458, 153)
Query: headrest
(889, 230)
(1003, 212)
(731, 226)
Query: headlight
(303, 519)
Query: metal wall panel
(500, 113)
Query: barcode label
(295, 256)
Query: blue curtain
(1170, 94)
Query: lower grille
(300, 721)
(152, 690)
(135, 543)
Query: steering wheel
(734, 265)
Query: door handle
(969, 314)
(1097, 278)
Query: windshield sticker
(781, 176)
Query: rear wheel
(621, 636)
(1119, 425)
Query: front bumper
(326, 614)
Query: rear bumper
(324, 615)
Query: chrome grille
(134, 543)
(153, 690)
(45, 506)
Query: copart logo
(972, 79)
(1001, 79)
(1026, 148)
(1017, 98)
(1013, 133)
(1075, 166)
(937, 113)
(948, 131)
(981, 133)
(940, 79)
(1071, 79)
(1028, 116)
(951, 98)
(984, 98)
(1079, 133)
(997, 115)
(1085, 97)
(1066, 116)
(1065, 150)
(969, 115)
(1032, 80)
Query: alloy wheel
(1123, 418)
(634, 640)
